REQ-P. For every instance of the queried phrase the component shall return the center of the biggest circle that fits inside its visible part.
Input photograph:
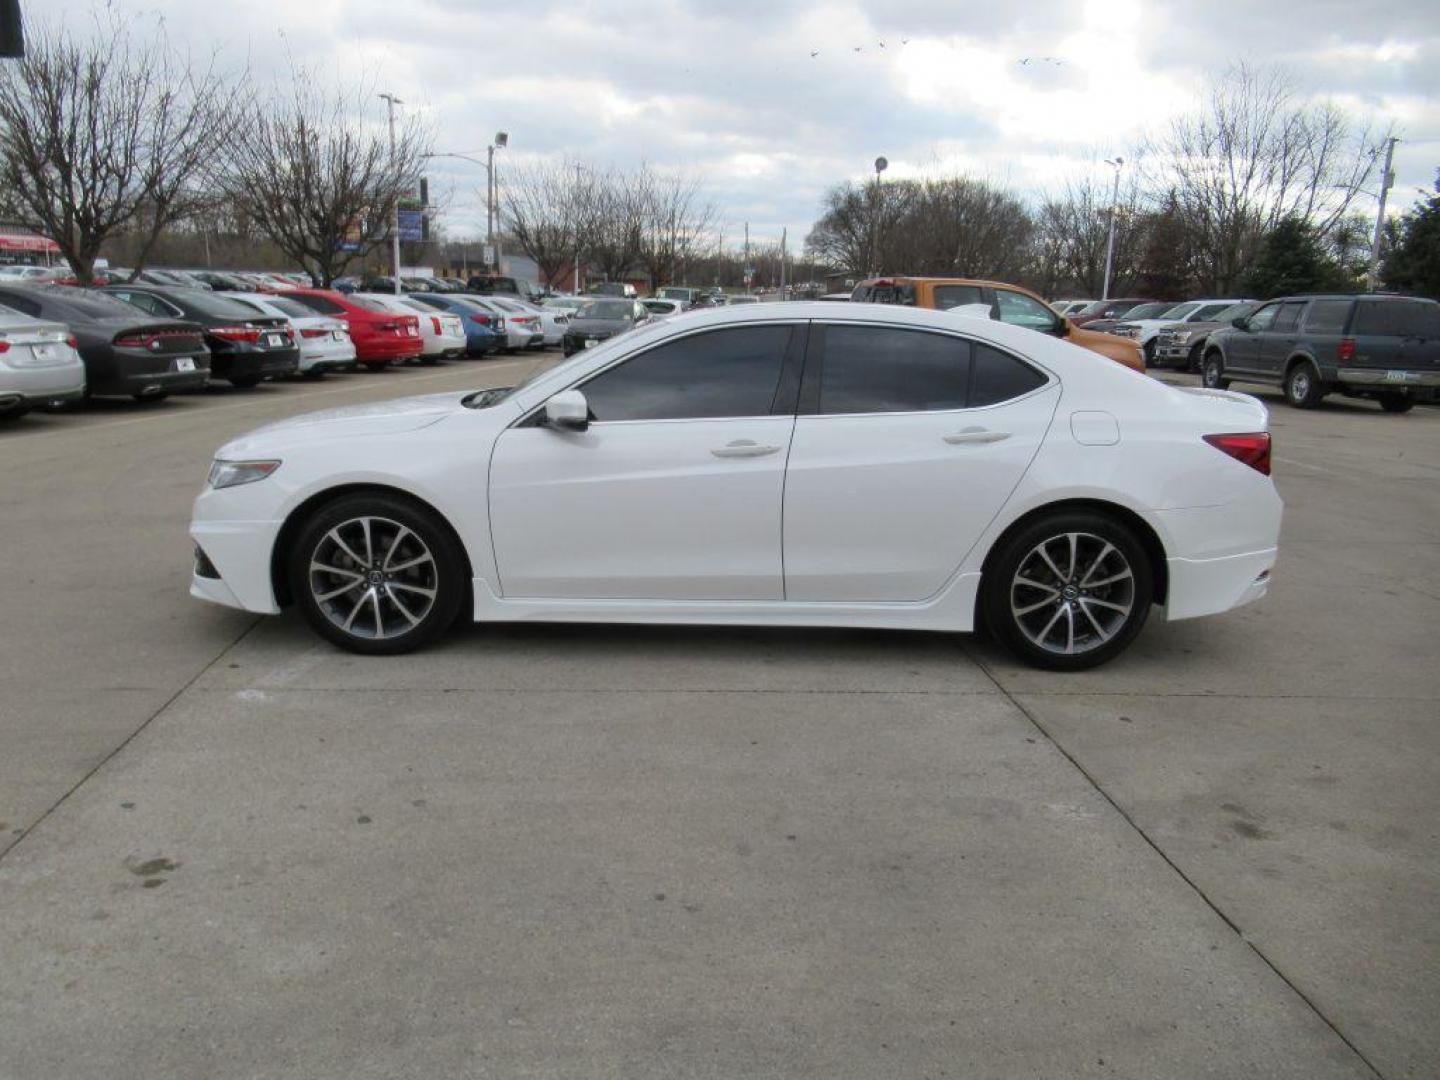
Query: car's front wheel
(1212, 374)
(377, 573)
(1069, 591)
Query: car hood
(1200, 327)
(376, 419)
(599, 326)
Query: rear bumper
(1387, 378)
(385, 350)
(31, 386)
(1210, 586)
(323, 355)
(149, 382)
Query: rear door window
(953, 296)
(1395, 318)
(880, 369)
(999, 377)
(1289, 317)
(1327, 316)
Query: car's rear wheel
(1212, 374)
(1303, 388)
(14, 412)
(377, 574)
(151, 395)
(1069, 591)
(244, 382)
(1397, 403)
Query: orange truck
(1007, 303)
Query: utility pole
(881, 164)
(391, 100)
(578, 169)
(1114, 210)
(1387, 180)
(783, 235)
(745, 269)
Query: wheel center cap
(376, 577)
(1070, 592)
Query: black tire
(1148, 351)
(1397, 403)
(244, 382)
(1192, 361)
(151, 398)
(1212, 373)
(385, 607)
(1303, 387)
(1087, 619)
(15, 412)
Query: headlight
(225, 474)
(1182, 336)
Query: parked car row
(146, 341)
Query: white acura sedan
(776, 464)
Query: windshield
(1179, 311)
(289, 307)
(95, 305)
(1236, 311)
(605, 309)
(1147, 311)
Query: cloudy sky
(771, 102)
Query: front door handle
(744, 448)
(972, 435)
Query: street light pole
(492, 210)
(1387, 178)
(1114, 209)
(391, 101)
(881, 164)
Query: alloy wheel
(1072, 593)
(373, 577)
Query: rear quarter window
(1396, 318)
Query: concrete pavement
(627, 852)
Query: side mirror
(1241, 323)
(568, 411)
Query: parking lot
(231, 850)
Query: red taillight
(1347, 348)
(236, 333)
(435, 321)
(73, 341)
(313, 333)
(1252, 448)
(4, 346)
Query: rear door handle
(744, 448)
(973, 435)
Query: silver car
(38, 364)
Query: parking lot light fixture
(1116, 164)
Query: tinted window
(322, 304)
(884, 369)
(21, 303)
(1263, 318)
(1400, 318)
(289, 307)
(1017, 309)
(953, 296)
(731, 372)
(1327, 316)
(999, 377)
(1289, 317)
(1206, 312)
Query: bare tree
(547, 213)
(320, 179)
(674, 217)
(615, 214)
(1073, 232)
(108, 134)
(1254, 155)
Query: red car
(381, 337)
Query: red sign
(14, 241)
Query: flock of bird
(1023, 61)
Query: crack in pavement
(1154, 846)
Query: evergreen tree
(1292, 260)
(1414, 264)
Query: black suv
(1381, 347)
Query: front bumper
(239, 552)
